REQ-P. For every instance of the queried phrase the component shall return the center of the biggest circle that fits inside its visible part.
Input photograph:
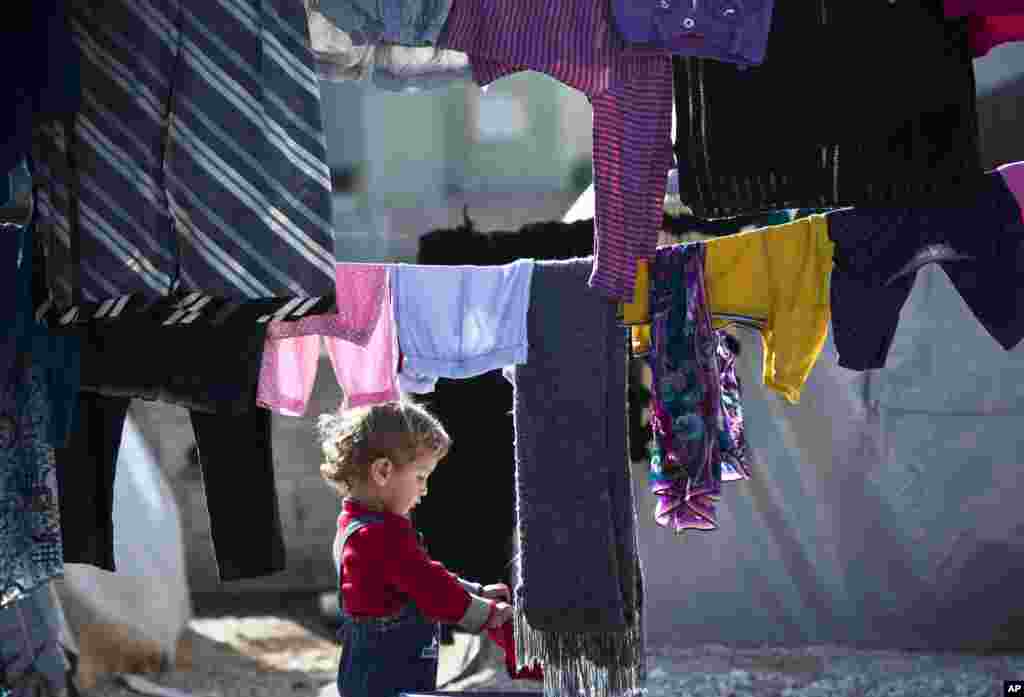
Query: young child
(391, 594)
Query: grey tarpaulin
(885, 508)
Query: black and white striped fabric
(192, 309)
(198, 159)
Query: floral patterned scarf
(696, 417)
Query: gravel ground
(814, 671)
(263, 655)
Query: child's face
(405, 487)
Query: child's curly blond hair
(354, 438)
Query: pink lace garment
(360, 342)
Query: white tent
(132, 620)
(885, 508)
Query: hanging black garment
(197, 352)
(477, 413)
(247, 543)
(858, 103)
(878, 252)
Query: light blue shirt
(459, 321)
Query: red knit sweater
(385, 567)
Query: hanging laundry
(16, 195)
(686, 469)
(412, 68)
(408, 22)
(959, 8)
(636, 314)
(367, 375)
(777, 278)
(574, 42)
(732, 436)
(15, 289)
(734, 32)
(878, 252)
(989, 22)
(576, 512)
(459, 321)
(43, 76)
(36, 371)
(723, 227)
(221, 379)
(30, 539)
(637, 310)
(245, 546)
(899, 127)
(32, 661)
(353, 55)
(505, 638)
(55, 355)
(680, 225)
(696, 414)
(216, 384)
(987, 32)
(359, 340)
(476, 412)
(198, 158)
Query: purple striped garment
(573, 42)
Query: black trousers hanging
(206, 358)
(238, 475)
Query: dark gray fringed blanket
(578, 597)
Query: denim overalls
(382, 657)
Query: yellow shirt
(779, 275)
(638, 310)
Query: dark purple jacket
(734, 31)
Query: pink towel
(361, 289)
(360, 342)
(287, 374)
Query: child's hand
(502, 614)
(497, 591)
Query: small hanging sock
(505, 638)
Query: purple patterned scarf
(697, 417)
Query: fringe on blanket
(598, 664)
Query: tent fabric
(149, 550)
(883, 511)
